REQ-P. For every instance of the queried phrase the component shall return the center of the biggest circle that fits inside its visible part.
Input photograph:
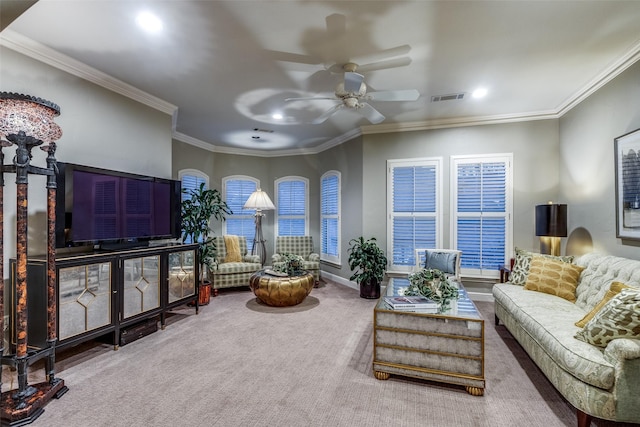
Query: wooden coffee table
(446, 347)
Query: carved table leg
(474, 391)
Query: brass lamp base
(550, 245)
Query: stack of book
(418, 304)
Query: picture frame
(627, 169)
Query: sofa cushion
(237, 267)
(614, 290)
(553, 277)
(619, 318)
(600, 270)
(549, 321)
(522, 264)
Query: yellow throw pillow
(614, 290)
(232, 246)
(553, 277)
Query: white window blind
(190, 180)
(242, 222)
(330, 217)
(482, 212)
(414, 209)
(292, 206)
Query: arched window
(330, 217)
(241, 222)
(292, 206)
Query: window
(241, 222)
(292, 205)
(191, 180)
(481, 189)
(330, 217)
(414, 208)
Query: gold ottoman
(281, 291)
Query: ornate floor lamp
(260, 201)
(27, 122)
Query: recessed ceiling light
(479, 93)
(277, 116)
(149, 22)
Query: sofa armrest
(313, 257)
(621, 349)
(251, 258)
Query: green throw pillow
(619, 318)
(522, 264)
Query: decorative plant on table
(432, 284)
(368, 263)
(197, 210)
(290, 264)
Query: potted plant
(197, 211)
(432, 284)
(291, 264)
(368, 263)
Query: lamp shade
(259, 200)
(551, 220)
(28, 114)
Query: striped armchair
(233, 274)
(298, 245)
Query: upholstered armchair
(445, 260)
(232, 267)
(298, 245)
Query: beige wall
(100, 128)
(587, 163)
(535, 149)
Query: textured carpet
(241, 363)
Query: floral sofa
(595, 369)
(232, 274)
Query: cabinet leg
(381, 375)
(474, 391)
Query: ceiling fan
(352, 92)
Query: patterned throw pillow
(619, 318)
(523, 263)
(614, 289)
(554, 277)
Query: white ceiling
(228, 65)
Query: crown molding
(262, 153)
(28, 47)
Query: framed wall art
(627, 151)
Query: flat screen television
(106, 207)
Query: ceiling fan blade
(310, 98)
(352, 81)
(395, 95)
(383, 65)
(370, 113)
(324, 116)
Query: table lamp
(551, 225)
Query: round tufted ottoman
(281, 291)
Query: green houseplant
(432, 284)
(291, 264)
(368, 262)
(197, 210)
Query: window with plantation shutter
(330, 217)
(292, 206)
(241, 222)
(191, 180)
(414, 209)
(481, 205)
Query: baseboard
(340, 280)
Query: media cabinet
(106, 294)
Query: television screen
(115, 206)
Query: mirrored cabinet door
(85, 298)
(141, 285)
(182, 280)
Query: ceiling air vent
(449, 97)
